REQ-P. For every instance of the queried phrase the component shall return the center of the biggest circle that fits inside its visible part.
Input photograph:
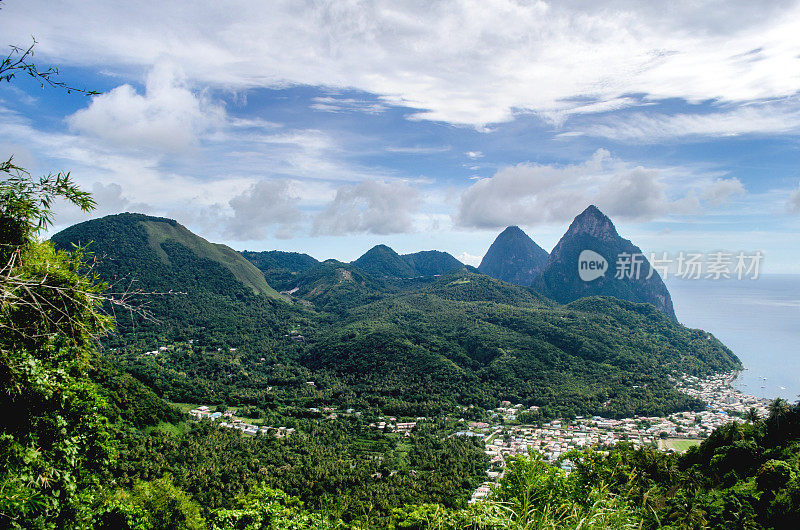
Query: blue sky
(329, 127)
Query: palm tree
(752, 416)
(778, 407)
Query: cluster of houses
(718, 392)
(553, 439)
(392, 425)
(204, 412)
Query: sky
(327, 127)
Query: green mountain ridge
(280, 268)
(383, 262)
(476, 339)
(161, 230)
(404, 346)
(182, 285)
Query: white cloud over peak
(168, 117)
(534, 194)
(471, 62)
(375, 206)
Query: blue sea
(758, 319)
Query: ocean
(758, 319)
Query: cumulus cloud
(470, 62)
(532, 194)
(722, 190)
(375, 206)
(110, 199)
(267, 207)
(168, 117)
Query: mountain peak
(513, 257)
(595, 223)
(593, 231)
(512, 230)
(382, 261)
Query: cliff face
(575, 268)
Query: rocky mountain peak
(513, 257)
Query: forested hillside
(182, 286)
(404, 346)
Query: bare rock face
(592, 259)
(513, 257)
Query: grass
(680, 445)
(175, 429)
(243, 270)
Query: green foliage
(56, 439)
(381, 261)
(182, 286)
(514, 257)
(592, 230)
(25, 204)
(432, 263)
(266, 508)
(20, 61)
(320, 463)
(280, 268)
(477, 341)
(151, 505)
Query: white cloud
(331, 104)
(110, 199)
(469, 259)
(266, 207)
(771, 118)
(375, 206)
(474, 155)
(470, 62)
(168, 117)
(722, 190)
(533, 194)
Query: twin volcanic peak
(612, 265)
(514, 258)
(626, 273)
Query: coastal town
(553, 439)
(505, 436)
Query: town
(553, 439)
(504, 436)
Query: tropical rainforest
(114, 327)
